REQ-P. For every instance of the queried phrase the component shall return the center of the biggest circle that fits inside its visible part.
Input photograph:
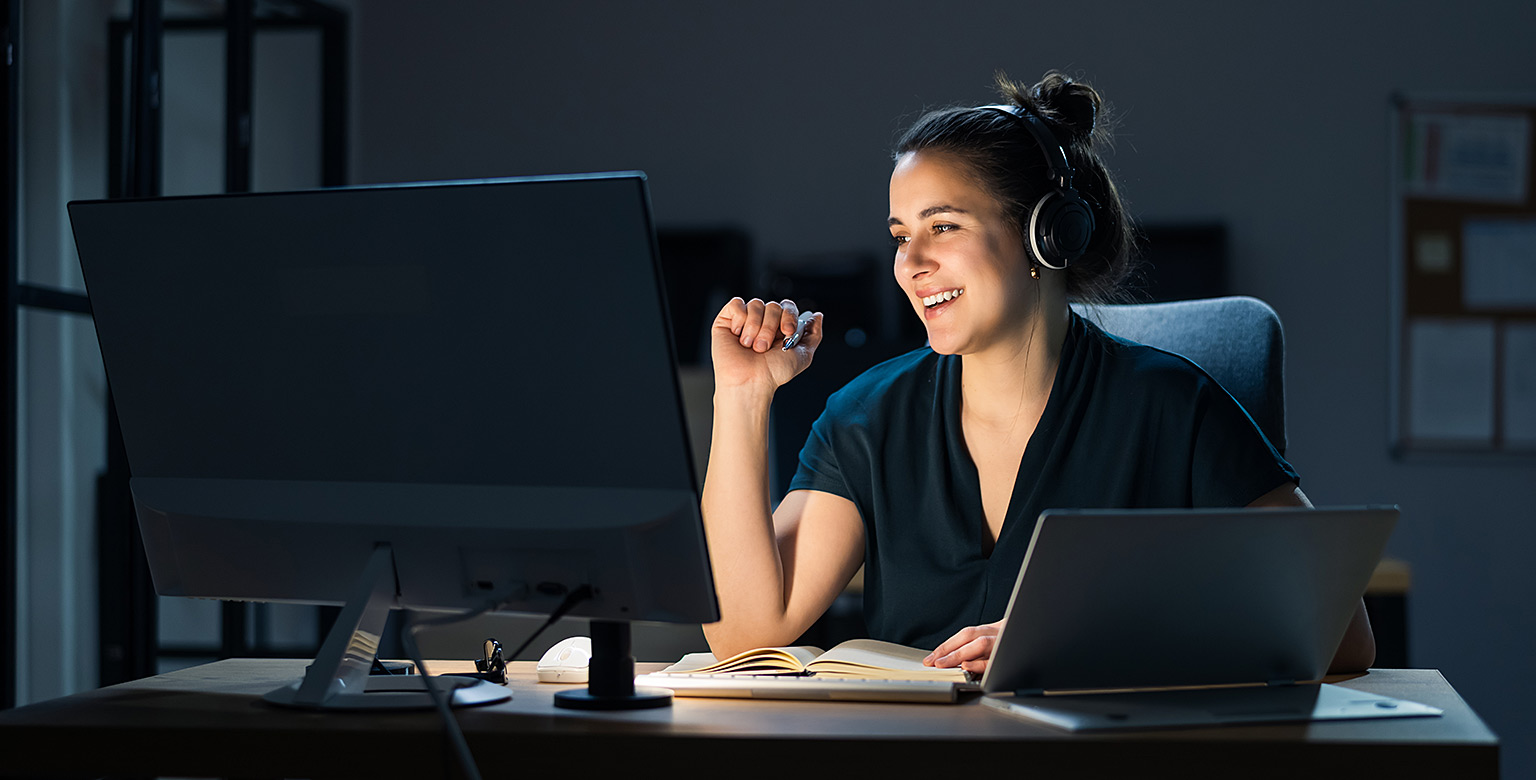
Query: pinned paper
(1450, 379)
(1499, 263)
(1467, 156)
(1519, 408)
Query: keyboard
(808, 688)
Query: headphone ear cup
(1060, 227)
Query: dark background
(765, 129)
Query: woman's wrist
(748, 396)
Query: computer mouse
(567, 661)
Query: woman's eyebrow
(930, 211)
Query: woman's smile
(937, 299)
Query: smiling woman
(930, 469)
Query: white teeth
(938, 298)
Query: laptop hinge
(1281, 682)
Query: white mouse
(567, 661)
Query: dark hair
(1002, 157)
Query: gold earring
(1034, 270)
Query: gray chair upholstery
(1237, 340)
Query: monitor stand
(339, 678)
(611, 675)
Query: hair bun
(1072, 108)
(1075, 106)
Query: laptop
(1139, 618)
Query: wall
(1273, 120)
(62, 399)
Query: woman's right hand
(970, 649)
(746, 343)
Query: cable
(451, 723)
(580, 594)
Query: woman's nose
(913, 260)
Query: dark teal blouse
(1126, 426)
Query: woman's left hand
(969, 649)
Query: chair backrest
(1237, 340)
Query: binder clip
(492, 667)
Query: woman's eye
(900, 240)
(943, 228)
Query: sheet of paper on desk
(1450, 375)
(1206, 707)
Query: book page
(763, 660)
(883, 660)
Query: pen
(800, 325)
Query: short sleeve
(1233, 463)
(820, 460)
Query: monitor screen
(478, 375)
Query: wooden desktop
(209, 721)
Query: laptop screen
(1142, 598)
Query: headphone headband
(1055, 155)
(1061, 223)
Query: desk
(210, 721)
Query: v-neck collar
(963, 467)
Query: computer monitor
(433, 396)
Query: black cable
(460, 747)
(450, 723)
(580, 594)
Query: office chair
(1237, 340)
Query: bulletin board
(1464, 276)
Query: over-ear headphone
(1061, 223)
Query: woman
(931, 468)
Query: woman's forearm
(1357, 651)
(749, 574)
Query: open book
(867, 659)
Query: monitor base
(403, 692)
(339, 679)
(611, 675)
(641, 699)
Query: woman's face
(959, 259)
